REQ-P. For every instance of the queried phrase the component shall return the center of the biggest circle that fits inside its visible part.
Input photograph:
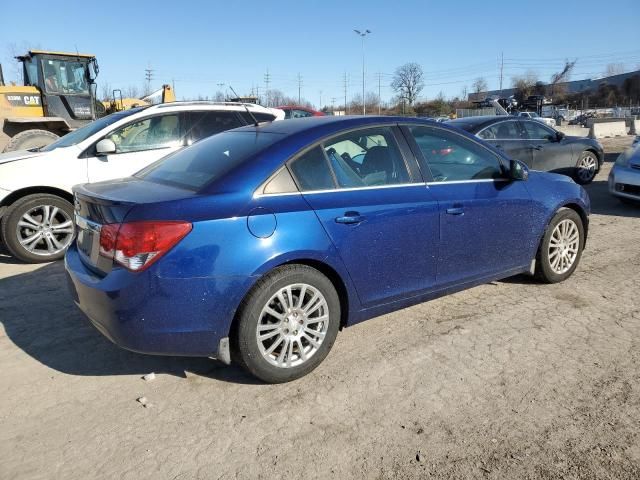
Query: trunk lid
(98, 204)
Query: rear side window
(312, 171)
(205, 124)
(206, 161)
(451, 157)
(501, 131)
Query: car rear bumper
(147, 313)
(625, 182)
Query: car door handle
(350, 218)
(538, 147)
(455, 211)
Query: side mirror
(105, 147)
(559, 136)
(518, 170)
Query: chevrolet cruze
(259, 244)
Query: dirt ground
(508, 380)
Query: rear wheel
(561, 247)
(586, 168)
(38, 228)
(287, 324)
(30, 139)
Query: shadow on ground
(603, 203)
(40, 318)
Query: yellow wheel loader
(57, 97)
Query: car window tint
(501, 131)
(161, 131)
(281, 182)
(210, 159)
(536, 130)
(451, 157)
(205, 124)
(300, 114)
(312, 172)
(366, 158)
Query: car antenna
(255, 120)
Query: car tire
(30, 139)
(561, 247)
(291, 343)
(47, 219)
(586, 168)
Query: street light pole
(362, 35)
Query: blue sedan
(261, 243)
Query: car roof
(205, 105)
(330, 124)
(473, 124)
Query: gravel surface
(512, 379)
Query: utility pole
(299, 88)
(267, 81)
(333, 102)
(148, 76)
(346, 109)
(501, 70)
(362, 35)
(320, 105)
(379, 90)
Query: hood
(19, 155)
(549, 176)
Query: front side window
(366, 158)
(205, 124)
(148, 134)
(65, 77)
(81, 134)
(451, 157)
(501, 131)
(537, 131)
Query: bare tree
(219, 96)
(107, 91)
(561, 77)
(524, 85)
(480, 85)
(408, 81)
(614, 69)
(131, 91)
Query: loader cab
(66, 82)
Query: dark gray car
(539, 146)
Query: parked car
(624, 177)
(534, 116)
(538, 146)
(260, 243)
(298, 111)
(36, 204)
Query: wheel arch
(23, 192)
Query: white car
(533, 115)
(36, 203)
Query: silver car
(624, 179)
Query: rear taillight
(137, 245)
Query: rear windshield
(207, 160)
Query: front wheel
(586, 168)
(287, 324)
(38, 228)
(561, 247)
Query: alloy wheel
(292, 325)
(563, 246)
(587, 167)
(45, 230)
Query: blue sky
(198, 44)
